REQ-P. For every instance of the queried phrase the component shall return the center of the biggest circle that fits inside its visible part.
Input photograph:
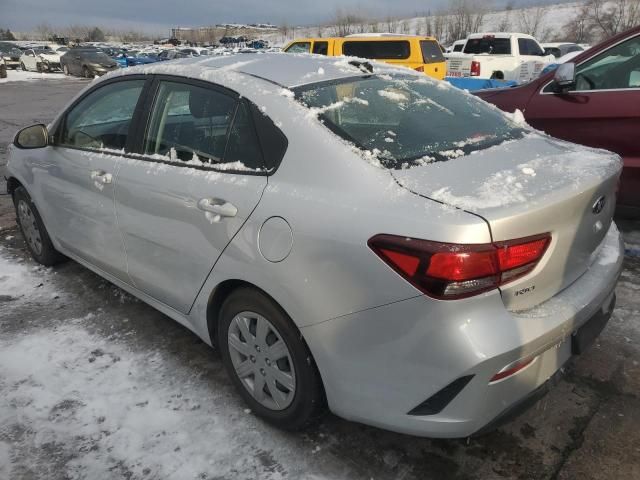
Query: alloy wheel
(261, 360)
(30, 227)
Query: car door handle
(217, 207)
(100, 176)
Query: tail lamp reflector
(449, 271)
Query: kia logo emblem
(598, 206)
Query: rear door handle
(217, 207)
(100, 176)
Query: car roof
(284, 69)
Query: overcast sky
(158, 16)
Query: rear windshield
(431, 52)
(406, 120)
(490, 45)
(385, 49)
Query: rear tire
(274, 372)
(86, 73)
(34, 231)
(24, 69)
(65, 70)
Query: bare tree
(505, 23)
(464, 17)
(615, 16)
(346, 23)
(530, 20)
(43, 31)
(392, 24)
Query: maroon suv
(595, 102)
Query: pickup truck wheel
(497, 75)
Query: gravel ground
(95, 384)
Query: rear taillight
(450, 271)
(475, 68)
(419, 69)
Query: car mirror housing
(35, 136)
(565, 76)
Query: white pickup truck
(502, 56)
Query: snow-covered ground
(22, 76)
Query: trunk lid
(527, 187)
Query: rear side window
(102, 118)
(388, 49)
(243, 145)
(273, 142)
(321, 48)
(299, 47)
(190, 122)
(529, 47)
(431, 52)
(490, 45)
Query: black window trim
(60, 123)
(382, 40)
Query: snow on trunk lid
(528, 187)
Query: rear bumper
(379, 364)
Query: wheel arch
(12, 184)
(220, 294)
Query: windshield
(407, 120)
(97, 57)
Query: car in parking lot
(422, 54)
(40, 60)
(10, 54)
(560, 49)
(369, 238)
(594, 101)
(87, 62)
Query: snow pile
(22, 76)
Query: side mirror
(35, 136)
(565, 77)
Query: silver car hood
(527, 187)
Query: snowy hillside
(552, 19)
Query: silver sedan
(349, 235)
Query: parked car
(171, 55)
(592, 100)
(456, 47)
(35, 60)
(10, 53)
(375, 265)
(131, 59)
(559, 49)
(422, 54)
(500, 56)
(87, 62)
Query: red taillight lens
(475, 68)
(448, 270)
(419, 69)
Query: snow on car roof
(285, 69)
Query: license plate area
(582, 338)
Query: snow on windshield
(428, 121)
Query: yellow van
(420, 53)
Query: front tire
(33, 230)
(65, 70)
(86, 73)
(22, 66)
(268, 361)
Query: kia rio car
(347, 234)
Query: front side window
(489, 45)
(102, 118)
(529, 47)
(299, 47)
(617, 68)
(321, 48)
(386, 49)
(189, 122)
(406, 120)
